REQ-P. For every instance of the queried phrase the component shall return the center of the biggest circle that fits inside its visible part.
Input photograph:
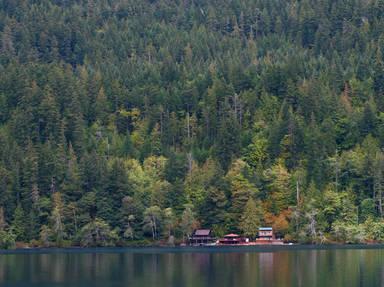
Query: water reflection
(300, 268)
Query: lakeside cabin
(266, 234)
(201, 237)
(232, 239)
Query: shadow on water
(275, 266)
(201, 249)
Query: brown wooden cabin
(266, 233)
(201, 237)
(232, 239)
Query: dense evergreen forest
(126, 121)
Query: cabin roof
(231, 235)
(202, 232)
(265, 229)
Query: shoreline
(189, 249)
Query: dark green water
(275, 267)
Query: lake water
(275, 267)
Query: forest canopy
(127, 120)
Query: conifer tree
(57, 218)
(18, 226)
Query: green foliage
(345, 232)
(188, 222)
(7, 240)
(120, 116)
(57, 218)
(240, 190)
(256, 153)
(97, 233)
(374, 229)
(279, 186)
(251, 218)
(228, 144)
(18, 226)
(153, 220)
(367, 209)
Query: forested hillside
(127, 120)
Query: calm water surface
(275, 267)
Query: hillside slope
(125, 120)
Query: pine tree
(214, 210)
(3, 223)
(30, 176)
(240, 188)
(228, 144)
(74, 125)
(111, 195)
(102, 107)
(379, 182)
(49, 117)
(57, 218)
(71, 186)
(18, 226)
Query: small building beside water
(201, 237)
(232, 239)
(266, 233)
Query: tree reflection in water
(119, 267)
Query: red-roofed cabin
(231, 239)
(201, 237)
